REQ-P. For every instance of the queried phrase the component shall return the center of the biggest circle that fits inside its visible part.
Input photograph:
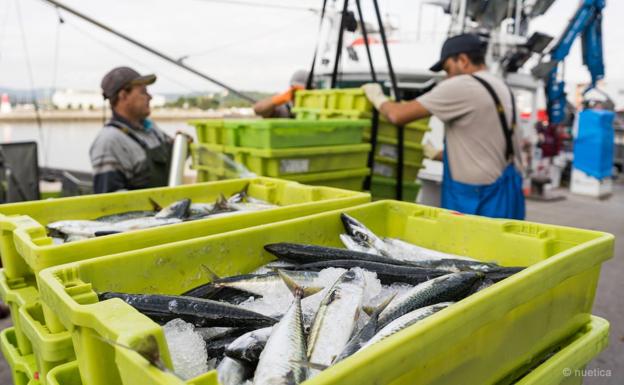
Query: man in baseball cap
(130, 152)
(482, 161)
(279, 106)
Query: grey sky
(246, 47)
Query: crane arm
(587, 22)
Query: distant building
(88, 100)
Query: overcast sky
(248, 47)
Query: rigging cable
(128, 57)
(57, 48)
(31, 78)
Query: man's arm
(264, 108)
(397, 113)
(109, 181)
(400, 114)
(269, 107)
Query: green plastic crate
(385, 188)
(566, 366)
(49, 349)
(345, 179)
(287, 133)
(476, 341)
(333, 99)
(26, 249)
(413, 132)
(388, 148)
(387, 168)
(208, 130)
(282, 162)
(65, 374)
(22, 367)
(17, 293)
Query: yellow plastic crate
(50, 349)
(22, 366)
(66, 374)
(208, 155)
(17, 293)
(476, 341)
(566, 367)
(303, 113)
(345, 179)
(26, 249)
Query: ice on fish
(187, 349)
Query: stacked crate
(353, 104)
(328, 152)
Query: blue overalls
(501, 199)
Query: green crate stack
(352, 103)
(310, 151)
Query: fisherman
(130, 152)
(280, 106)
(482, 162)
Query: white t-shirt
(475, 143)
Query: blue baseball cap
(467, 42)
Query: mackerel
(450, 287)
(335, 319)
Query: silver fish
(365, 333)
(233, 372)
(178, 209)
(450, 287)
(280, 361)
(335, 319)
(363, 236)
(78, 228)
(410, 251)
(249, 346)
(404, 321)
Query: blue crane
(586, 22)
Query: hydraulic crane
(586, 22)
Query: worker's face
(457, 65)
(136, 101)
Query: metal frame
(395, 90)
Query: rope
(31, 78)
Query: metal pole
(310, 79)
(149, 49)
(365, 35)
(375, 118)
(397, 95)
(178, 158)
(339, 47)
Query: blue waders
(501, 199)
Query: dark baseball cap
(119, 78)
(455, 45)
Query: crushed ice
(187, 349)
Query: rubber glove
(285, 97)
(430, 151)
(375, 94)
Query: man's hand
(285, 97)
(375, 94)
